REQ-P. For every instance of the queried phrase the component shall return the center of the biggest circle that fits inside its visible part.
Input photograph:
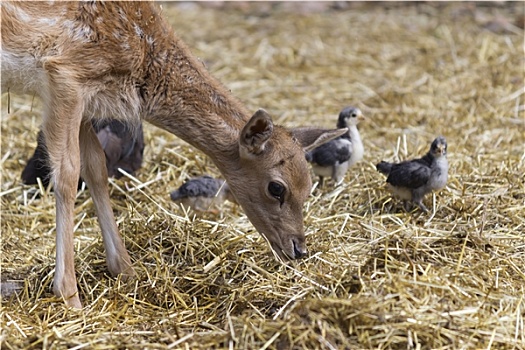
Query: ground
(376, 276)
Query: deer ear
(256, 134)
(311, 138)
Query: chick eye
(277, 190)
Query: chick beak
(441, 149)
(361, 118)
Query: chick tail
(309, 157)
(384, 167)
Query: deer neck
(181, 97)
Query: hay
(376, 276)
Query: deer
(122, 60)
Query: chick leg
(422, 206)
(419, 202)
(339, 171)
(417, 198)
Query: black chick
(411, 180)
(202, 194)
(334, 158)
(123, 149)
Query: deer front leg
(94, 172)
(61, 128)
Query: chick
(37, 166)
(203, 194)
(122, 147)
(411, 180)
(334, 158)
(8, 288)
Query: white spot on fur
(78, 32)
(123, 15)
(18, 12)
(138, 30)
(48, 21)
(150, 40)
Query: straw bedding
(376, 276)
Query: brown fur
(122, 60)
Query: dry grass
(376, 276)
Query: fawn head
(273, 180)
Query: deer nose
(299, 250)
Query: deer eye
(277, 190)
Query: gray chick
(203, 194)
(334, 158)
(411, 180)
